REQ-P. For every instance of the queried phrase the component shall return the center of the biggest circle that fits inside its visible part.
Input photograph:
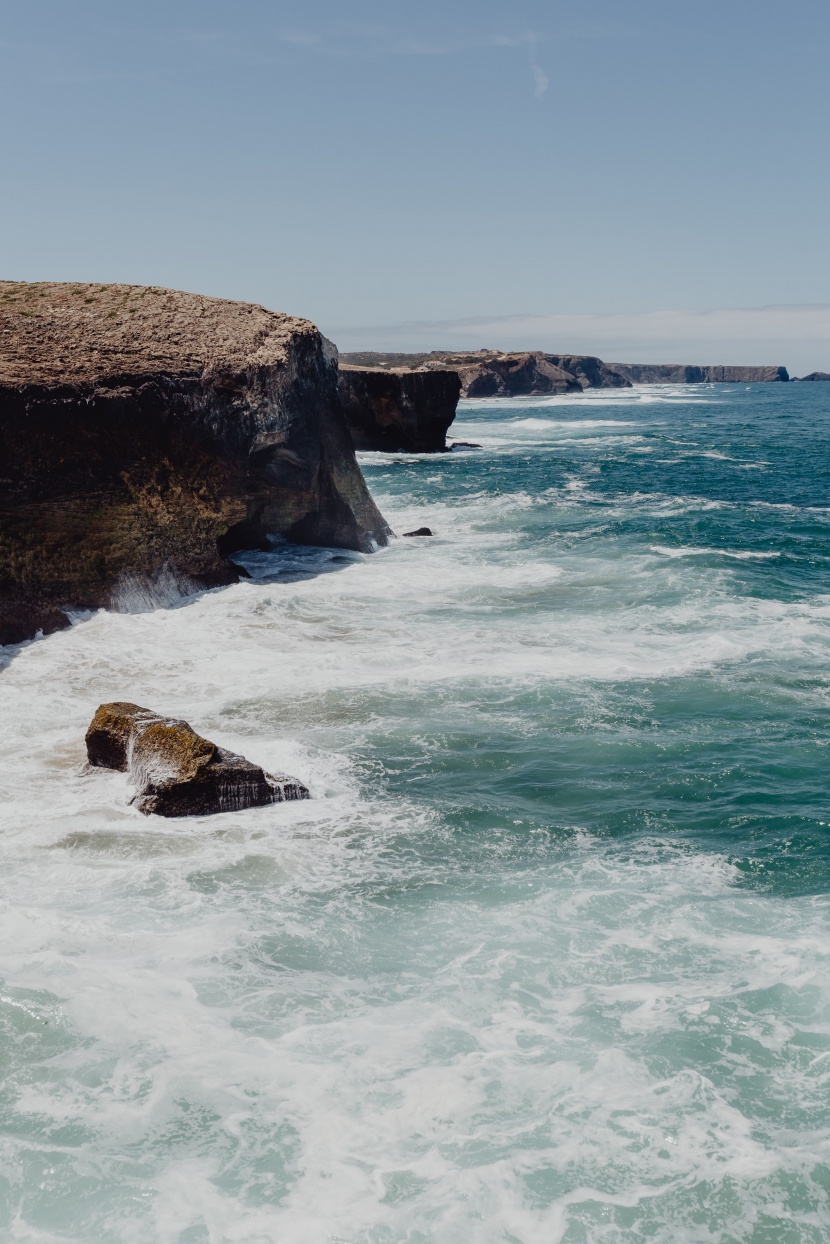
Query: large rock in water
(397, 409)
(174, 770)
(814, 375)
(147, 433)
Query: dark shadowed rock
(175, 771)
(497, 373)
(422, 531)
(684, 373)
(814, 375)
(399, 410)
(516, 375)
(146, 433)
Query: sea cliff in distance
(148, 433)
(497, 373)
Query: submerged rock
(399, 410)
(175, 771)
(146, 434)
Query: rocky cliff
(146, 432)
(496, 373)
(399, 409)
(680, 373)
(814, 375)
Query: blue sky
(425, 174)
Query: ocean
(546, 958)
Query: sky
(646, 180)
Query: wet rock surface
(421, 531)
(177, 772)
(147, 432)
(399, 410)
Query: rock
(175, 771)
(495, 373)
(399, 410)
(590, 371)
(814, 375)
(422, 531)
(147, 433)
(516, 375)
(681, 373)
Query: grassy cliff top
(67, 332)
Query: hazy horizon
(618, 182)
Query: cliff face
(516, 375)
(494, 373)
(679, 373)
(399, 409)
(147, 432)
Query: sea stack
(148, 432)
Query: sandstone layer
(175, 771)
(148, 432)
(681, 373)
(398, 409)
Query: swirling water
(547, 956)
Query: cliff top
(68, 332)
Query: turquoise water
(547, 956)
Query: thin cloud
(541, 82)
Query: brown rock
(147, 432)
(175, 771)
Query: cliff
(146, 432)
(496, 373)
(814, 375)
(679, 373)
(398, 409)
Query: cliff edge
(684, 373)
(396, 409)
(148, 432)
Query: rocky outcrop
(145, 432)
(814, 375)
(516, 375)
(399, 409)
(681, 373)
(175, 771)
(495, 373)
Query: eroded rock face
(147, 432)
(398, 409)
(175, 771)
